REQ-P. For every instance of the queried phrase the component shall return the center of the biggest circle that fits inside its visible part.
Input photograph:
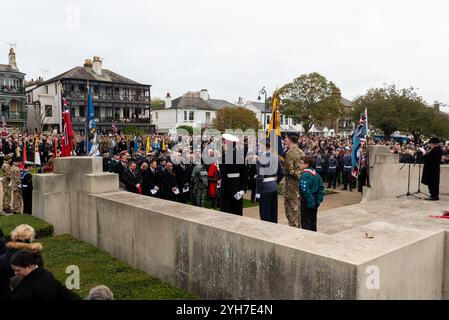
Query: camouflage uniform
(6, 169)
(199, 185)
(17, 192)
(291, 189)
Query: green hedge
(9, 223)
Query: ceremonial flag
(274, 129)
(24, 158)
(148, 150)
(68, 137)
(91, 126)
(359, 138)
(114, 127)
(37, 156)
(4, 131)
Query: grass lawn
(99, 267)
(42, 228)
(96, 266)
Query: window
(268, 119)
(207, 117)
(109, 112)
(191, 116)
(72, 112)
(48, 110)
(46, 89)
(82, 111)
(281, 119)
(56, 87)
(157, 115)
(126, 113)
(138, 111)
(185, 116)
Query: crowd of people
(145, 166)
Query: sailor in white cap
(233, 177)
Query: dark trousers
(27, 196)
(230, 205)
(253, 189)
(268, 207)
(321, 173)
(332, 179)
(308, 217)
(434, 190)
(347, 180)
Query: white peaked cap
(230, 137)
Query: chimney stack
(12, 59)
(87, 63)
(168, 101)
(97, 63)
(204, 94)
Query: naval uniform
(26, 183)
(233, 180)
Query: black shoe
(344, 189)
(432, 199)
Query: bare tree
(40, 116)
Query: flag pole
(86, 137)
(367, 164)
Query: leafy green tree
(310, 99)
(157, 103)
(235, 118)
(390, 109)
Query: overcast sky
(235, 47)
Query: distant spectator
(37, 283)
(100, 293)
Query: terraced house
(12, 95)
(115, 98)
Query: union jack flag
(358, 139)
(114, 127)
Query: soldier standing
(292, 158)
(27, 188)
(17, 193)
(6, 182)
(199, 184)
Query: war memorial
(383, 248)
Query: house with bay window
(195, 109)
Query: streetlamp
(263, 91)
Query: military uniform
(17, 193)
(6, 169)
(292, 157)
(199, 185)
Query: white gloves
(257, 196)
(239, 195)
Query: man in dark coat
(431, 172)
(183, 173)
(152, 181)
(132, 178)
(170, 189)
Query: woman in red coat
(213, 177)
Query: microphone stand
(408, 182)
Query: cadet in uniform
(347, 169)
(233, 179)
(269, 174)
(15, 186)
(332, 172)
(27, 188)
(6, 169)
(292, 158)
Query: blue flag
(359, 137)
(91, 126)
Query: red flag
(68, 137)
(24, 158)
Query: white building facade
(194, 109)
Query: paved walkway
(337, 200)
